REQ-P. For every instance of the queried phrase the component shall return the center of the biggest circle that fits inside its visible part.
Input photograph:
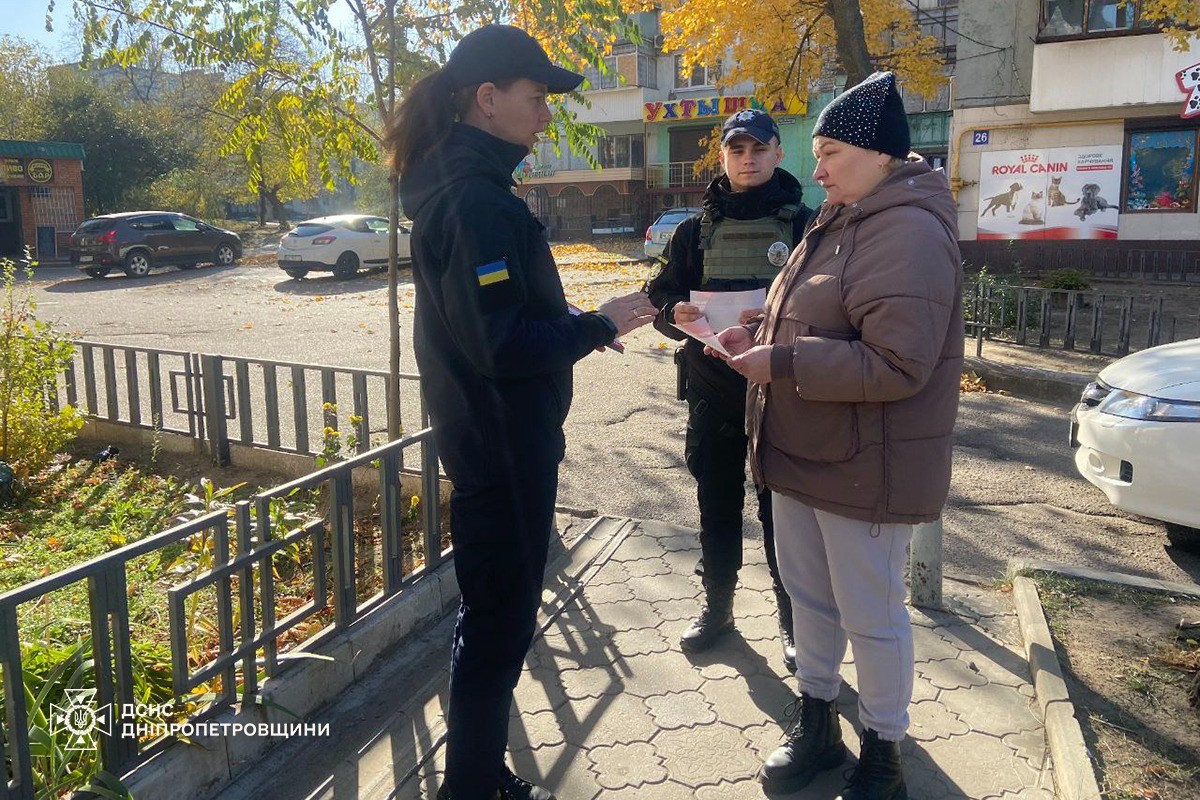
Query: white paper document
(701, 331)
(722, 309)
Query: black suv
(138, 241)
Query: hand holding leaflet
(702, 332)
(615, 344)
(723, 309)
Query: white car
(340, 244)
(659, 232)
(1137, 429)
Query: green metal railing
(1100, 322)
(279, 405)
(248, 624)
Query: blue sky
(27, 19)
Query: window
(942, 24)
(151, 224)
(1160, 170)
(377, 224)
(699, 77)
(620, 151)
(54, 207)
(306, 229)
(1063, 18)
(595, 80)
(185, 224)
(647, 71)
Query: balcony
(679, 174)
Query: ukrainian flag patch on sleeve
(494, 272)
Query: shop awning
(15, 148)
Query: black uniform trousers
(501, 535)
(715, 449)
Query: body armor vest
(737, 249)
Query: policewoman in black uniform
(752, 216)
(495, 345)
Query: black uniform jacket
(684, 271)
(493, 338)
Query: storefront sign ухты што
(717, 108)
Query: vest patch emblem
(778, 254)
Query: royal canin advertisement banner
(1054, 193)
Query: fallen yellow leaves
(971, 382)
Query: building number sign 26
(980, 137)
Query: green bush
(32, 356)
(1068, 279)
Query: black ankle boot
(878, 775)
(813, 744)
(786, 631)
(512, 787)
(715, 620)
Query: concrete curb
(1049, 386)
(1121, 578)
(1074, 777)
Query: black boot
(813, 744)
(515, 788)
(786, 631)
(878, 775)
(512, 787)
(716, 617)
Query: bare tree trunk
(278, 211)
(851, 40)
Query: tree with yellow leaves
(785, 46)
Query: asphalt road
(1014, 494)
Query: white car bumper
(1147, 468)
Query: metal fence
(279, 405)
(1089, 321)
(1106, 260)
(248, 618)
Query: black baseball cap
(750, 122)
(500, 52)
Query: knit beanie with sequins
(869, 115)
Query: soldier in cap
(752, 216)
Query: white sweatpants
(846, 579)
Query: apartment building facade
(656, 118)
(1075, 130)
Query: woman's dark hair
(423, 119)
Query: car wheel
(96, 272)
(224, 255)
(1183, 537)
(296, 274)
(137, 263)
(346, 266)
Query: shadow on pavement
(117, 280)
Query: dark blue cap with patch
(750, 122)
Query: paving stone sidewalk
(609, 707)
